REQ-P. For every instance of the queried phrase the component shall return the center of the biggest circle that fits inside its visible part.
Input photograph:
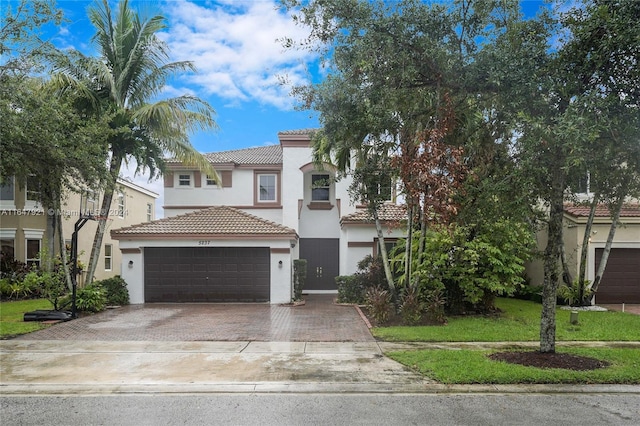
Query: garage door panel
(621, 279)
(207, 274)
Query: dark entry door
(207, 274)
(323, 262)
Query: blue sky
(234, 45)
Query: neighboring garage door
(207, 274)
(621, 279)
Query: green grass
(520, 321)
(474, 367)
(12, 313)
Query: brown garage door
(621, 279)
(206, 274)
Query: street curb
(308, 388)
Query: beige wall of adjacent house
(20, 222)
(627, 235)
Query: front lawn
(520, 321)
(474, 367)
(12, 314)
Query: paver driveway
(318, 321)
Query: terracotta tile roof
(578, 210)
(270, 154)
(387, 213)
(308, 132)
(212, 222)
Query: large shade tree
(399, 75)
(124, 83)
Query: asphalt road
(323, 409)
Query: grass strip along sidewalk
(520, 321)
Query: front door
(323, 262)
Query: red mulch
(550, 360)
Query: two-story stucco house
(23, 223)
(235, 240)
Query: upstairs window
(33, 189)
(149, 212)
(267, 188)
(320, 185)
(184, 180)
(6, 190)
(121, 205)
(211, 181)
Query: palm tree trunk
(408, 246)
(114, 173)
(383, 253)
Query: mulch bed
(550, 360)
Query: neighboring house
(235, 240)
(621, 280)
(23, 223)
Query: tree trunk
(566, 273)
(607, 246)
(408, 246)
(50, 237)
(585, 249)
(114, 173)
(551, 273)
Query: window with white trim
(267, 191)
(33, 252)
(184, 179)
(211, 181)
(108, 257)
(92, 203)
(149, 212)
(121, 205)
(8, 248)
(33, 188)
(320, 187)
(6, 190)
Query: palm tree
(123, 82)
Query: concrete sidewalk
(126, 367)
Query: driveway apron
(319, 320)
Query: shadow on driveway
(318, 321)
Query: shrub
(350, 289)
(379, 303)
(411, 307)
(26, 288)
(434, 305)
(91, 298)
(116, 291)
(571, 294)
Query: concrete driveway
(319, 320)
(160, 348)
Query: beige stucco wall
(627, 236)
(23, 222)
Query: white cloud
(236, 50)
